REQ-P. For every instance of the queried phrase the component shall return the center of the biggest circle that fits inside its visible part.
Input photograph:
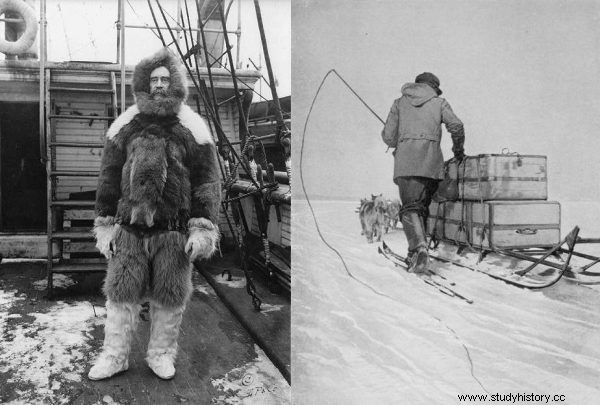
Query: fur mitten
(105, 230)
(202, 240)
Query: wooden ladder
(56, 93)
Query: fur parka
(159, 166)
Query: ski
(582, 278)
(428, 277)
(389, 251)
(513, 279)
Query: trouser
(415, 194)
(149, 265)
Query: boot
(420, 261)
(412, 223)
(164, 332)
(121, 322)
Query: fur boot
(121, 321)
(164, 331)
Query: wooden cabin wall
(278, 233)
(69, 130)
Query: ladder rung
(81, 117)
(77, 144)
(78, 267)
(81, 90)
(73, 235)
(75, 174)
(73, 203)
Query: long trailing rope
(337, 252)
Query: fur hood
(176, 93)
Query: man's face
(160, 79)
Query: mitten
(202, 240)
(105, 230)
(459, 154)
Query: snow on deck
(47, 348)
(387, 337)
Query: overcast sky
(522, 75)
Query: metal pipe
(263, 39)
(42, 118)
(258, 138)
(119, 26)
(45, 153)
(208, 67)
(239, 36)
(243, 127)
(123, 79)
(258, 68)
(12, 20)
(179, 22)
(226, 100)
(203, 23)
(155, 23)
(185, 37)
(178, 29)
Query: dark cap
(431, 80)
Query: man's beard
(159, 94)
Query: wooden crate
(497, 224)
(515, 224)
(501, 177)
(451, 221)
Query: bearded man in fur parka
(157, 207)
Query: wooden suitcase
(497, 224)
(501, 177)
(450, 220)
(515, 224)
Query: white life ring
(31, 26)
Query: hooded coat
(413, 128)
(159, 166)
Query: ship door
(23, 176)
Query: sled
(532, 267)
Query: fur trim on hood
(176, 93)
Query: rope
(462, 226)
(160, 35)
(484, 225)
(141, 21)
(338, 254)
